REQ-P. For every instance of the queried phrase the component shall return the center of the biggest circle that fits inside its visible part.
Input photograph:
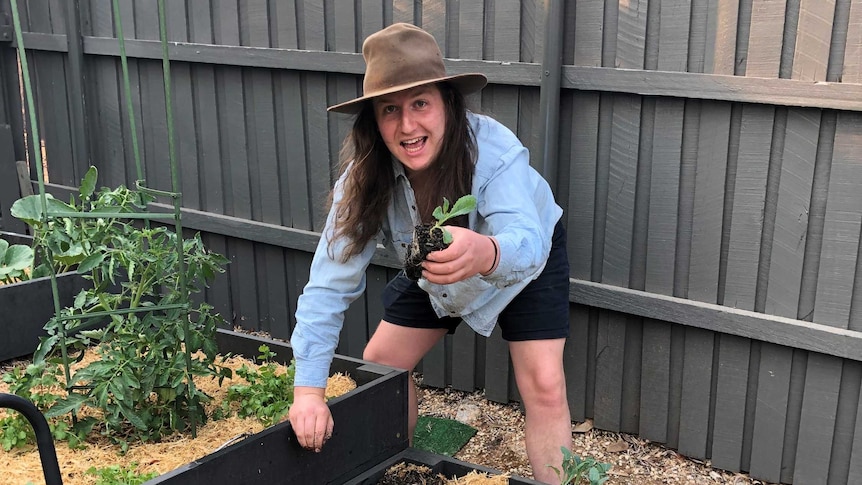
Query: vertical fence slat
(771, 413)
(835, 289)
(660, 260)
(813, 39)
(767, 32)
(855, 465)
(819, 409)
(697, 392)
(853, 50)
(730, 395)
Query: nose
(407, 121)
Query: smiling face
(412, 124)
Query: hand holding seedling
(468, 254)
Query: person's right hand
(310, 417)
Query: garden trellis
(145, 217)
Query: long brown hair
(370, 182)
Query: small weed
(117, 475)
(268, 394)
(577, 470)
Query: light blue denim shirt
(515, 205)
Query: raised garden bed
(371, 425)
(28, 305)
(370, 436)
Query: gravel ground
(499, 444)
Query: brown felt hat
(403, 56)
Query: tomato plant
(149, 338)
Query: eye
(388, 109)
(421, 103)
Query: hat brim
(465, 83)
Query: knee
(544, 390)
(372, 354)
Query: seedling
(463, 206)
(577, 470)
(434, 237)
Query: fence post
(549, 91)
(77, 113)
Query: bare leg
(402, 347)
(541, 382)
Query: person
(412, 143)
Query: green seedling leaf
(88, 183)
(463, 206)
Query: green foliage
(142, 381)
(577, 470)
(268, 394)
(117, 475)
(463, 206)
(39, 384)
(15, 432)
(15, 260)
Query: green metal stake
(43, 199)
(177, 201)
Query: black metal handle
(44, 441)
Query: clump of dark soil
(411, 474)
(426, 239)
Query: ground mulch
(499, 444)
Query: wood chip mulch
(499, 444)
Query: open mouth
(415, 144)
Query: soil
(425, 240)
(412, 474)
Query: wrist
(496, 258)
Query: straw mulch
(22, 467)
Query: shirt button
(444, 295)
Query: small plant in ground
(434, 237)
(268, 394)
(117, 475)
(577, 470)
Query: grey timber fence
(708, 154)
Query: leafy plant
(577, 470)
(117, 475)
(40, 384)
(268, 394)
(15, 261)
(142, 381)
(463, 206)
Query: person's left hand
(468, 254)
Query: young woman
(413, 142)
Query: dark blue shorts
(540, 311)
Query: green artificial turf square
(440, 435)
